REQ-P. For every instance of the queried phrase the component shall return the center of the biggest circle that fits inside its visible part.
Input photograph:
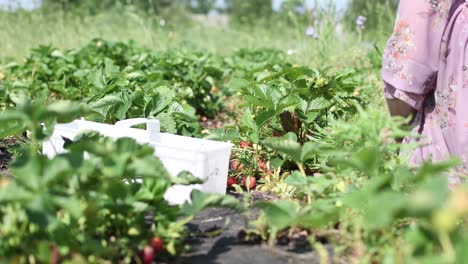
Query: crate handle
(153, 126)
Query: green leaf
(57, 54)
(318, 103)
(263, 117)
(110, 68)
(14, 193)
(13, 123)
(121, 110)
(175, 107)
(378, 217)
(286, 102)
(248, 121)
(29, 170)
(64, 111)
(222, 134)
(276, 162)
(70, 204)
(266, 75)
(462, 253)
(201, 201)
(238, 84)
(265, 96)
(297, 180)
(186, 178)
(287, 145)
(59, 169)
(168, 124)
(44, 251)
(156, 104)
(279, 214)
(106, 101)
(85, 141)
(428, 196)
(309, 151)
(97, 79)
(318, 215)
(152, 189)
(135, 75)
(366, 160)
(166, 91)
(294, 73)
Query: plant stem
(322, 252)
(301, 169)
(447, 246)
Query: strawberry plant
(107, 206)
(364, 190)
(290, 101)
(247, 63)
(122, 81)
(296, 99)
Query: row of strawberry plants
(123, 80)
(347, 190)
(335, 166)
(303, 134)
(363, 200)
(118, 81)
(72, 209)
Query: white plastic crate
(205, 159)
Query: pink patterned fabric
(425, 65)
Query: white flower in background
(361, 22)
(310, 32)
(291, 51)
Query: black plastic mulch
(227, 248)
(5, 157)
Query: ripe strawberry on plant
(157, 244)
(231, 181)
(261, 165)
(236, 165)
(245, 144)
(147, 255)
(249, 182)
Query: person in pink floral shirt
(425, 70)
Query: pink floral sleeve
(411, 58)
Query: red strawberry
(231, 181)
(147, 255)
(261, 165)
(236, 165)
(158, 244)
(245, 144)
(249, 182)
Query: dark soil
(5, 156)
(225, 247)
